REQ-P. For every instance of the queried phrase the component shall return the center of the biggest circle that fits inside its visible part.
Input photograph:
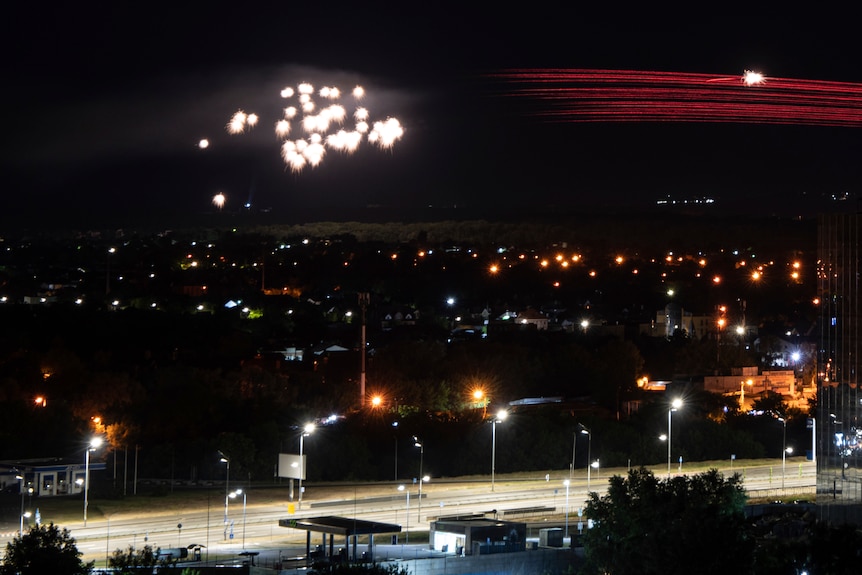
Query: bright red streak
(631, 96)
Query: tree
(44, 549)
(131, 560)
(688, 524)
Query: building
(749, 384)
(477, 536)
(533, 317)
(46, 478)
(838, 425)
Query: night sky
(105, 104)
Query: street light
(21, 529)
(20, 478)
(566, 483)
(227, 498)
(589, 435)
(226, 460)
(421, 446)
(501, 416)
(406, 521)
(839, 441)
(307, 430)
(675, 405)
(784, 450)
(480, 400)
(94, 444)
(234, 495)
(395, 428)
(108, 270)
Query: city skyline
(108, 108)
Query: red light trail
(571, 95)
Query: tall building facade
(839, 401)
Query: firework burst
(318, 117)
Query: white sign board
(292, 466)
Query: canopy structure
(341, 526)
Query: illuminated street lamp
(675, 405)
(307, 430)
(94, 444)
(784, 450)
(24, 514)
(108, 270)
(501, 416)
(406, 521)
(20, 478)
(567, 483)
(224, 459)
(589, 435)
(480, 400)
(234, 495)
(422, 478)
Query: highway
(254, 526)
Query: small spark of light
(218, 200)
(236, 125)
(751, 78)
(204, 144)
(282, 128)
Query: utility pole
(363, 305)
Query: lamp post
(501, 416)
(838, 440)
(94, 444)
(395, 428)
(589, 435)
(566, 483)
(783, 449)
(675, 405)
(307, 430)
(108, 270)
(224, 459)
(21, 529)
(574, 445)
(407, 520)
(421, 446)
(20, 478)
(233, 495)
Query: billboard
(292, 466)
